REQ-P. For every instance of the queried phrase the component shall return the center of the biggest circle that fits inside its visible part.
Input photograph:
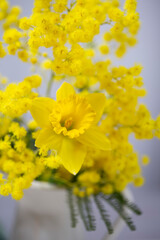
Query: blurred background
(147, 198)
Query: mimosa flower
(69, 125)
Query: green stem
(49, 87)
(107, 22)
(62, 182)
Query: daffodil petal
(94, 138)
(40, 109)
(72, 154)
(97, 101)
(49, 138)
(65, 91)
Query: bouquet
(79, 139)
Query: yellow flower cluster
(14, 40)
(111, 171)
(125, 27)
(17, 160)
(9, 15)
(124, 87)
(67, 26)
(16, 98)
(9, 19)
(81, 139)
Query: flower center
(72, 116)
(68, 123)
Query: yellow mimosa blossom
(85, 133)
(69, 125)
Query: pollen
(68, 123)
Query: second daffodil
(69, 125)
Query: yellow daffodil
(69, 125)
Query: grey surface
(147, 52)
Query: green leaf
(119, 208)
(72, 208)
(89, 213)
(103, 212)
(85, 212)
(127, 203)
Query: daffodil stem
(62, 182)
(49, 87)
